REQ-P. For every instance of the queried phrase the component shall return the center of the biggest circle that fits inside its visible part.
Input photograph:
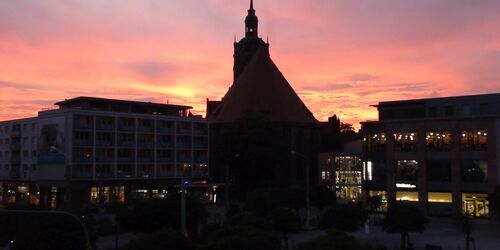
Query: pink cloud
(340, 56)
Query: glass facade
(348, 176)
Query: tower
(248, 45)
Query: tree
(403, 219)
(262, 201)
(155, 214)
(347, 129)
(160, 240)
(284, 221)
(374, 202)
(321, 197)
(342, 217)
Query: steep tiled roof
(262, 89)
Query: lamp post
(308, 189)
(226, 190)
(183, 207)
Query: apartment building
(91, 150)
(441, 153)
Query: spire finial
(251, 4)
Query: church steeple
(248, 45)
(251, 22)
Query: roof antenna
(267, 39)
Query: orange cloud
(340, 56)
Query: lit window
(473, 139)
(374, 142)
(436, 141)
(439, 197)
(406, 196)
(405, 141)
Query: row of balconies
(147, 159)
(130, 124)
(143, 171)
(145, 142)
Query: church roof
(262, 89)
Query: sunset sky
(340, 56)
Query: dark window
(406, 170)
(474, 171)
(448, 111)
(483, 108)
(432, 112)
(438, 170)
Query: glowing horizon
(339, 56)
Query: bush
(342, 217)
(161, 240)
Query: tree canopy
(155, 214)
(403, 219)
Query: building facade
(442, 153)
(92, 150)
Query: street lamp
(226, 190)
(183, 207)
(308, 188)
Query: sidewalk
(442, 232)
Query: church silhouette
(259, 122)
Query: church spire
(251, 22)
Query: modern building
(442, 153)
(260, 121)
(343, 171)
(93, 149)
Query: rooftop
(115, 105)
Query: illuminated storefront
(475, 205)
